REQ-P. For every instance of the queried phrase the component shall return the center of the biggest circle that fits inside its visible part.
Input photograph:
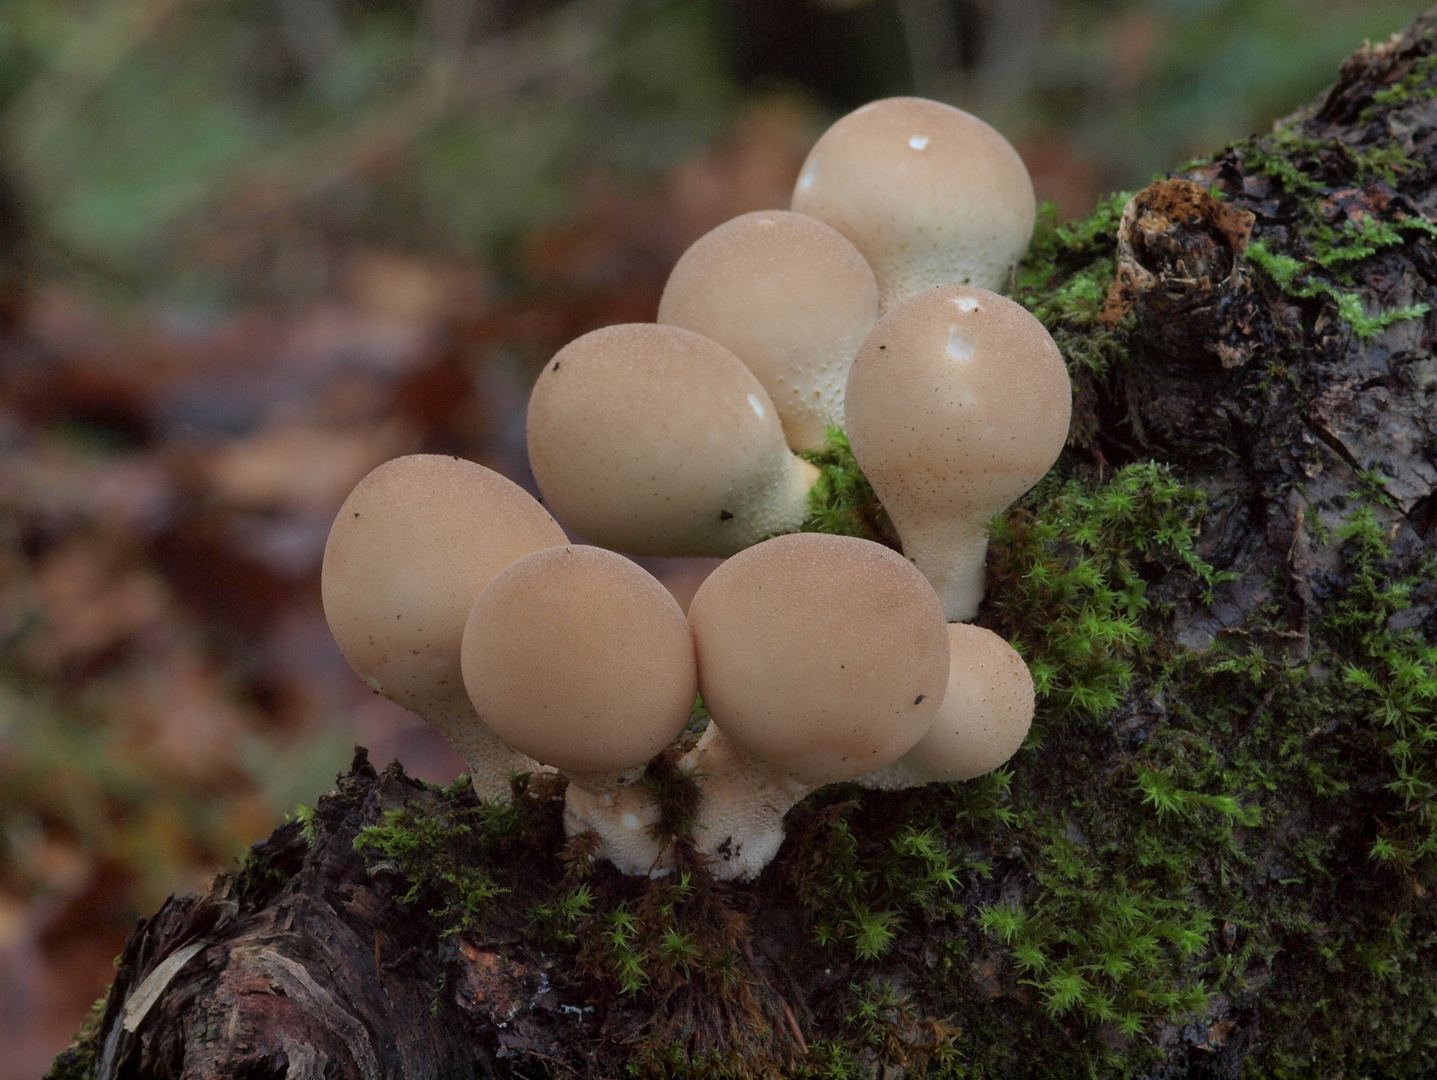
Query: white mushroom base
(621, 811)
(490, 760)
(739, 824)
(894, 777)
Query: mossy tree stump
(1214, 858)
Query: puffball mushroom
(654, 440)
(929, 194)
(986, 712)
(957, 404)
(581, 659)
(790, 297)
(820, 658)
(411, 547)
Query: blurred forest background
(251, 248)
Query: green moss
(1296, 161)
(1410, 88)
(305, 816)
(1297, 279)
(842, 500)
(1328, 258)
(1067, 579)
(1063, 280)
(442, 854)
(79, 1060)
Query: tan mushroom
(657, 441)
(791, 298)
(957, 404)
(581, 659)
(413, 544)
(986, 712)
(821, 658)
(929, 194)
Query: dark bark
(306, 963)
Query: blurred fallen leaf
(261, 472)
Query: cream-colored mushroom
(930, 195)
(957, 404)
(984, 718)
(657, 441)
(790, 297)
(411, 547)
(821, 658)
(581, 659)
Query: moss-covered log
(1217, 854)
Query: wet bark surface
(304, 964)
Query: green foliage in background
(154, 141)
(130, 126)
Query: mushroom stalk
(951, 555)
(742, 803)
(621, 811)
(491, 761)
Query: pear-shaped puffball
(957, 404)
(657, 441)
(581, 659)
(821, 658)
(791, 298)
(413, 544)
(985, 715)
(929, 194)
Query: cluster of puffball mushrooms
(819, 658)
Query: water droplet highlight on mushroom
(966, 303)
(918, 142)
(757, 405)
(960, 346)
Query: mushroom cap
(929, 194)
(413, 544)
(957, 403)
(580, 659)
(985, 714)
(657, 441)
(824, 657)
(790, 297)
